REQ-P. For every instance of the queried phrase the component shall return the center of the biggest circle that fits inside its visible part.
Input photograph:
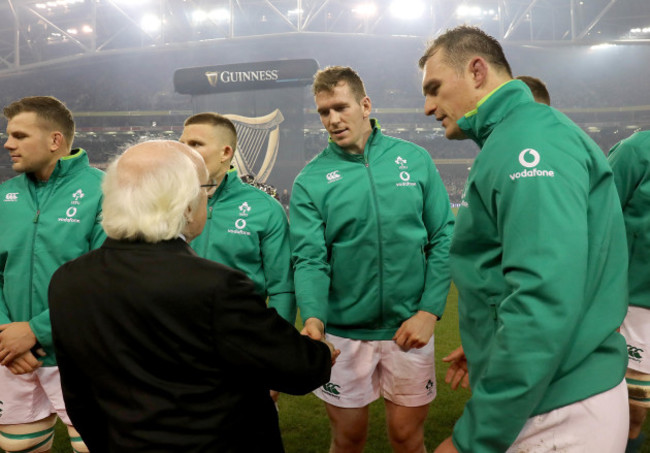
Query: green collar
(490, 111)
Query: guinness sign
(245, 76)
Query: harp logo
(258, 140)
(244, 209)
(213, 78)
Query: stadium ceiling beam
(596, 20)
(282, 16)
(33, 34)
(312, 14)
(516, 22)
(60, 30)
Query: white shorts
(598, 424)
(31, 397)
(636, 330)
(366, 370)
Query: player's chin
(454, 133)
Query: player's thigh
(408, 378)
(23, 398)
(597, 424)
(50, 381)
(354, 382)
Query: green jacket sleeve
(541, 305)
(439, 222)
(627, 169)
(276, 261)
(40, 324)
(309, 251)
(4, 312)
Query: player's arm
(97, 234)
(627, 168)
(309, 253)
(416, 331)
(16, 338)
(535, 319)
(276, 262)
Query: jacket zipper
(379, 241)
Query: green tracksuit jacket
(370, 237)
(630, 161)
(43, 225)
(247, 229)
(539, 259)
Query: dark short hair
(462, 43)
(216, 120)
(538, 88)
(327, 79)
(47, 108)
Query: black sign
(245, 76)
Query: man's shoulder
(13, 190)
(246, 193)
(391, 143)
(17, 180)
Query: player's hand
(457, 372)
(416, 331)
(333, 351)
(314, 329)
(274, 396)
(25, 363)
(16, 338)
(447, 446)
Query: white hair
(147, 194)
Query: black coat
(163, 351)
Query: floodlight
(72, 31)
(87, 29)
(467, 11)
(365, 9)
(603, 46)
(219, 15)
(295, 12)
(150, 23)
(199, 16)
(407, 9)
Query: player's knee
(28, 437)
(78, 445)
(638, 387)
(347, 437)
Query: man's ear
(56, 141)
(228, 153)
(478, 69)
(366, 106)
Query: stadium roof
(36, 33)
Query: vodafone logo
(529, 158)
(523, 160)
(240, 224)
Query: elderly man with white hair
(161, 350)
